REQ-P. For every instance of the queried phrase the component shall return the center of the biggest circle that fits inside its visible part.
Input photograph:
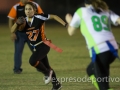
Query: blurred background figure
(19, 38)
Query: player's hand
(20, 20)
(68, 18)
(13, 37)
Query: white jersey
(95, 27)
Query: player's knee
(32, 62)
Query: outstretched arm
(71, 30)
(58, 19)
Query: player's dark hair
(97, 4)
(33, 6)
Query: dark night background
(58, 7)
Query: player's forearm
(14, 28)
(58, 19)
(10, 23)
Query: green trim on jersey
(85, 32)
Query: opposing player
(94, 21)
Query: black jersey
(34, 31)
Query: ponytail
(97, 4)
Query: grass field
(70, 66)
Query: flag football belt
(48, 43)
(111, 48)
(36, 45)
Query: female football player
(32, 26)
(94, 21)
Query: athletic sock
(94, 82)
(43, 69)
(54, 79)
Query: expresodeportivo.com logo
(85, 79)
